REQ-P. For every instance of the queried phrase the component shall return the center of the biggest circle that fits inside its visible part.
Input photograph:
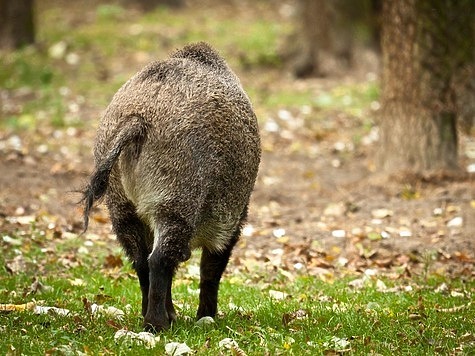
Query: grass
(416, 317)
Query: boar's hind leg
(132, 235)
(212, 267)
(171, 246)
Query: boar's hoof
(155, 326)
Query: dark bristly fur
(177, 153)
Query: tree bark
(325, 35)
(311, 37)
(149, 5)
(16, 23)
(424, 44)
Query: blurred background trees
(327, 33)
(16, 23)
(427, 75)
(426, 49)
(148, 5)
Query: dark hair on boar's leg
(177, 153)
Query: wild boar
(177, 153)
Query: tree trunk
(149, 5)
(312, 36)
(325, 35)
(16, 23)
(424, 44)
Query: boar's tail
(132, 134)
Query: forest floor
(320, 206)
(317, 206)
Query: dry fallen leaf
(101, 218)
(454, 309)
(177, 349)
(300, 314)
(467, 337)
(231, 345)
(381, 213)
(148, 340)
(38, 287)
(359, 282)
(12, 241)
(463, 257)
(337, 344)
(16, 265)
(50, 310)
(111, 312)
(277, 295)
(22, 220)
(77, 282)
(335, 209)
(17, 307)
(113, 261)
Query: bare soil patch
(314, 210)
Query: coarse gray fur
(176, 154)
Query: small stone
(58, 50)
(405, 233)
(342, 261)
(248, 230)
(228, 343)
(381, 213)
(72, 59)
(278, 233)
(277, 295)
(339, 233)
(336, 163)
(204, 321)
(357, 231)
(437, 211)
(271, 126)
(455, 222)
(335, 209)
(339, 146)
(284, 115)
